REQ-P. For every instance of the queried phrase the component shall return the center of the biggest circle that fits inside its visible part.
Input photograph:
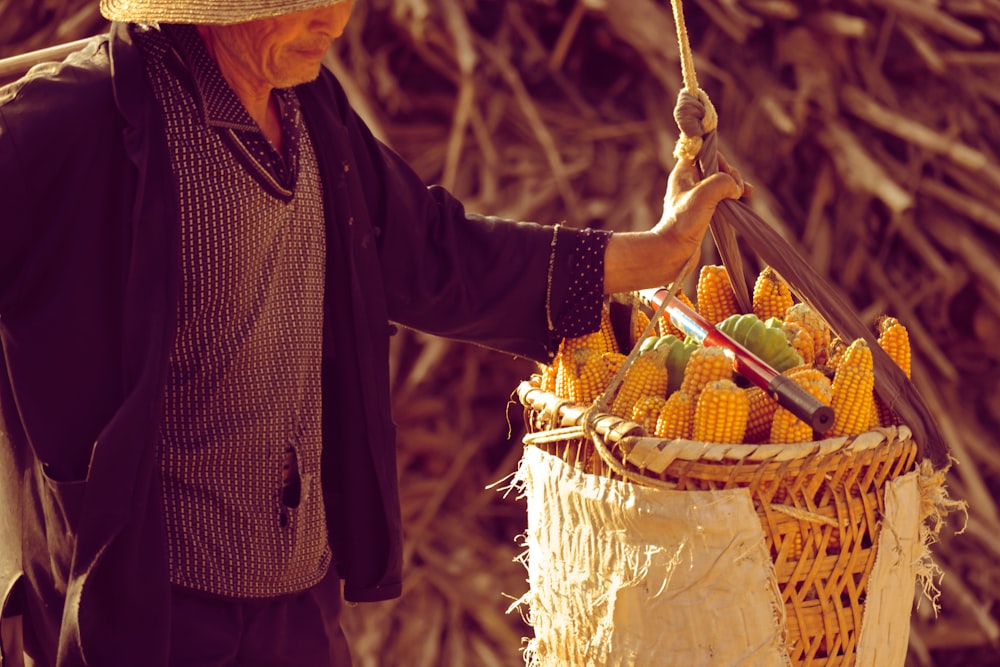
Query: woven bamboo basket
(827, 573)
(821, 506)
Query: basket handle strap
(697, 121)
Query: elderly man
(203, 251)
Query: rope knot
(696, 117)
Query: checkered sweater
(241, 437)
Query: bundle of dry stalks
(870, 131)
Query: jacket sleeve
(501, 283)
(14, 194)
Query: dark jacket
(89, 281)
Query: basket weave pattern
(819, 504)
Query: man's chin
(303, 75)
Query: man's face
(283, 51)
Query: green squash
(765, 339)
(679, 351)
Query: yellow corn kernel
(760, 414)
(771, 295)
(605, 335)
(676, 419)
(853, 387)
(613, 361)
(794, 542)
(801, 340)
(640, 321)
(895, 340)
(715, 295)
(646, 411)
(833, 543)
(593, 376)
(547, 373)
(837, 349)
(803, 315)
(666, 326)
(720, 413)
(705, 365)
(785, 426)
(647, 376)
(567, 363)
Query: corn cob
(771, 295)
(613, 362)
(837, 349)
(705, 365)
(605, 335)
(567, 363)
(666, 326)
(720, 413)
(794, 548)
(647, 376)
(761, 409)
(676, 419)
(646, 411)
(853, 386)
(785, 426)
(803, 315)
(895, 340)
(548, 376)
(592, 378)
(640, 321)
(716, 299)
(801, 340)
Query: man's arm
(639, 260)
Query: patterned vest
(241, 438)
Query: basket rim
(579, 420)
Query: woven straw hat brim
(203, 11)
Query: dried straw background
(870, 129)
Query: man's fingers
(685, 174)
(721, 186)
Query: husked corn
(785, 426)
(564, 373)
(853, 386)
(647, 376)
(807, 318)
(771, 295)
(802, 340)
(592, 377)
(646, 411)
(715, 295)
(548, 376)
(705, 365)
(895, 340)
(640, 321)
(676, 419)
(613, 361)
(720, 413)
(761, 409)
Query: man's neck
(257, 97)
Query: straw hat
(203, 11)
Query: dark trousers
(301, 630)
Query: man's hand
(639, 260)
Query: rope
(696, 117)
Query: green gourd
(677, 358)
(765, 339)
